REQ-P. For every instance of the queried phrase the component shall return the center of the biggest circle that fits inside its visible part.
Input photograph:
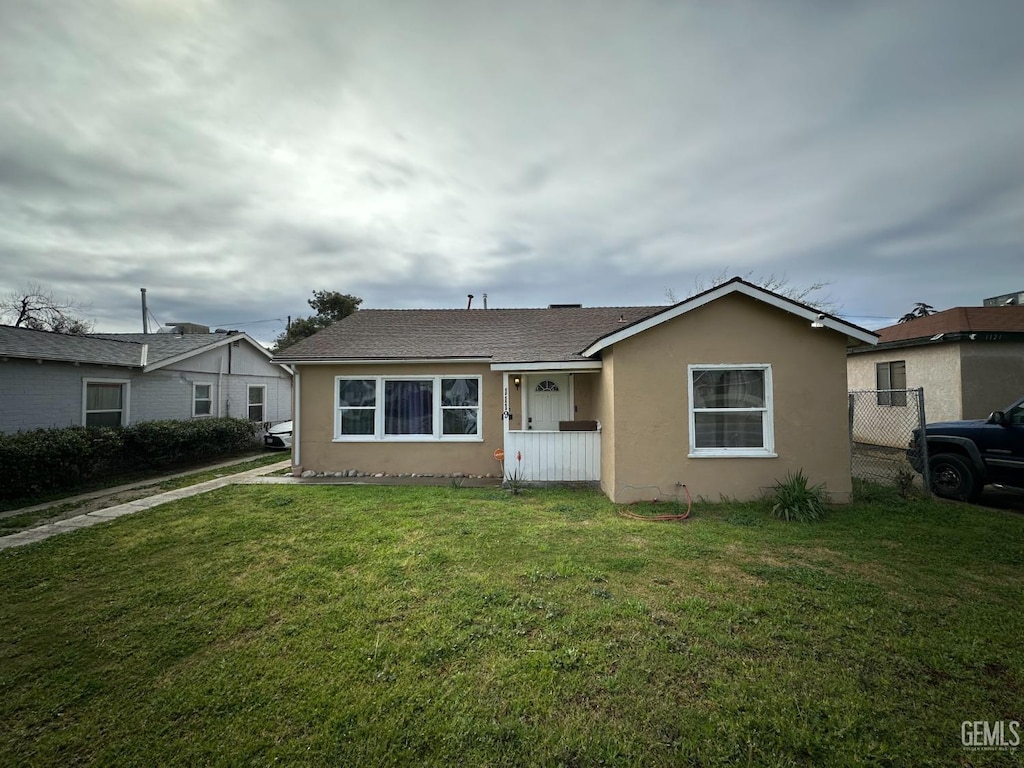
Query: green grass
(360, 625)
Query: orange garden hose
(661, 518)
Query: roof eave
(736, 285)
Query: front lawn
(357, 625)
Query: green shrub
(44, 461)
(795, 500)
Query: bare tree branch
(810, 294)
(39, 308)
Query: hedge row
(43, 461)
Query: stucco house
(968, 360)
(57, 380)
(723, 392)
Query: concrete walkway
(102, 515)
(128, 487)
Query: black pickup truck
(964, 456)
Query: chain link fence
(882, 424)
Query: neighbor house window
(257, 398)
(407, 408)
(731, 410)
(891, 382)
(105, 402)
(202, 399)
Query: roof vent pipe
(469, 303)
(485, 301)
(145, 312)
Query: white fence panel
(555, 457)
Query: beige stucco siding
(583, 385)
(648, 406)
(319, 451)
(604, 407)
(993, 377)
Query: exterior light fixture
(515, 380)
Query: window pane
(459, 421)
(408, 407)
(202, 391)
(255, 395)
(108, 419)
(898, 378)
(357, 421)
(357, 392)
(460, 392)
(255, 413)
(728, 389)
(882, 376)
(103, 397)
(202, 407)
(728, 430)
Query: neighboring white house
(58, 380)
(968, 360)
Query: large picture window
(891, 382)
(105, 402)
(407, 408)
(731, 410)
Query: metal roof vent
(565, 306)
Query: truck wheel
(954, 478)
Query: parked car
(965, 456)
(279, 436)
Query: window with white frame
(202, 399)
(104, 402)
(891, 382)
(731, 410)
(407, 408)
(257, 399)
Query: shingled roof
(513, 336)
(44, 345)
(498, 335)
(126, 350)
(957, 320)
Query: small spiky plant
(797, 501)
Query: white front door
(547, 401)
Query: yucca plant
(796, 500)
(515, 478)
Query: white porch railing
(555, 456)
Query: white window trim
(125, 398)
(891, 392)
(766, 452)
(196, 384)
(378, 416)
(263, 403)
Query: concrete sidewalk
(102, 515)
(126, 487)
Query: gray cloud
(234, 157)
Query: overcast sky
(232, 157)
